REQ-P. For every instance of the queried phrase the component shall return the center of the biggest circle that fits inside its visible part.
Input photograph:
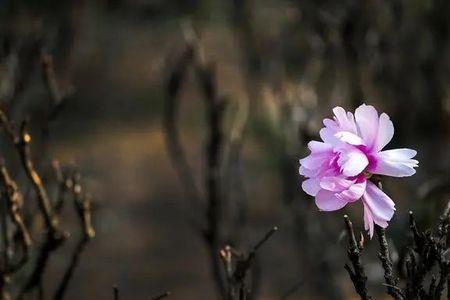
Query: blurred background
(279, 67)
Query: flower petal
(319, 147)
(367, 121)
(327, 135)
(380, 207)
(368, 220)
(349, 138)
(315, 160)
(355, 191)
(352, 162)
(311, 186)
(307, 172)
(396, 162)
(349, 190)
(335, 184)
(345, 120)
(327, 201)
(385, 132)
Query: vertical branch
(173, 144)
(23, 145)
(357, 274)
(82, 203)
(14, 203)
(206, 79)
(214, 113)
(22, 141)
(83, 207)
(49, 77)
(116, 292)
(385, 258)
(391, 281)
(4, 275)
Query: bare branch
(162, 296)
(384, 256)
(357, 274)
(14, 204)
(22, 141)
(292, 290)
(116, 292)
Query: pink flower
(338, 168)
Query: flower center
(367, 174)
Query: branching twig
(51, 220)
(357, 274)
(237, 265)
(22, 141)
(14, 204)
(82, 203)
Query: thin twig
(68, 274)
(291, 291)
(51, 220)
(22, 141)
(82, 203)
(214, 113)
(384, 256)
(174, 147)
(357, 274)
(162, 296)
(236, 269)
(56, 96)
(14, 204)
(116, 292)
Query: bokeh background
(281, 66)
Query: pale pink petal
(335, 184)
(381, 207)
(385, 132)
(396, 162)
(315, 160)
(350, 138)
(328, 201)
(327, 135)
(368, 220)
(331, 124)
(307, 172)
(318, 147)
(350, 190)
(352, 162)
(367, 121)
(311, 186)
(355, 191)
(345, 121)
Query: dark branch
(357, 274)
(162, 296)
(384, 256)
